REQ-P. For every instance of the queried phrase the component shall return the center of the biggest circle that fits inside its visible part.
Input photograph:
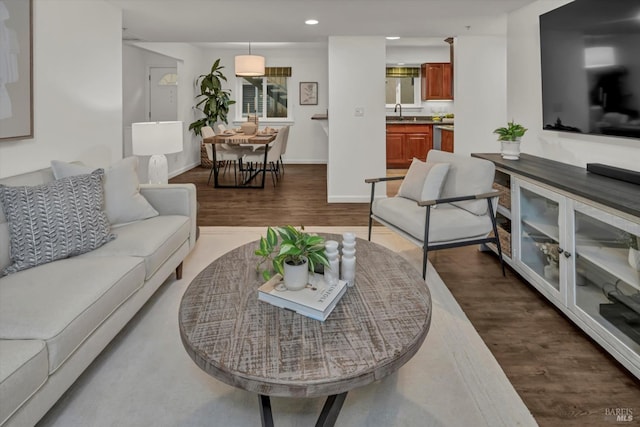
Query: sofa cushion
(447, 223)
(63, 302)
(423, 180)
(24, 369)
(56, 220)
(37, 177)
(154, 240)
(467, 176)
(123, 201)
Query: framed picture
(16, 69)
(308, 93)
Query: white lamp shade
(249, 65)
(149, 138)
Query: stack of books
(316, 301)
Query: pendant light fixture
(249, 65)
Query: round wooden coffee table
(377, 326)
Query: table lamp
(156, 139)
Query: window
(267, 96)
(402, 86)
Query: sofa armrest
(174, 199)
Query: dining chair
(225, 154)
(286, 130)
(256, 160)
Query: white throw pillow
(424, 181)
(122, 198)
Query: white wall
(480, 92)
(189, 61)
(77, 65)
(524, 101)
(135, 83)
(356, 144)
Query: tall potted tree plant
(213, 101)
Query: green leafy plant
(213, 101)
(294, 247)
(511, 132)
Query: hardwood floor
(564, 377)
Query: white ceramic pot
(552, 272)
(510, 150)
(634, 258)
(296, 277)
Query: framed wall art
(16, 69)
(308, 93)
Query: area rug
(145, 377)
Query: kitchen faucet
(395, 110)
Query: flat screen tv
(590, 58)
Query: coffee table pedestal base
(327, 418)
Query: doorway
(163, 94)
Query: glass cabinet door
(607, 273)
(540, 250)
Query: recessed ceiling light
(311, 21)
(400, 63)
(392, 37)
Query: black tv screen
(590, 58)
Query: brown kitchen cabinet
(446, 140)
(404, 142)
(437, 81)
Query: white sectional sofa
(55, 318)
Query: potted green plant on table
(292, 253)
(510, 136)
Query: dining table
(240, 139)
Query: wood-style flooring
(564, 377)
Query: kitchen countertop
(418, 121)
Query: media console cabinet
(569, 233)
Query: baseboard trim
(348, 199)
(183, 169)
(304, 162)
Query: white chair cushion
(65, 312)
(122, 198)
(447, 223)
(467, 176)
(24, 369)
(423, 181)
(154, 240)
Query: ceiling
(273, 21)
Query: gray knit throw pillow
(60, 219)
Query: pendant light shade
(249, 65)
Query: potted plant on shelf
(293, 257)
(509, 136)
(213, 101)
